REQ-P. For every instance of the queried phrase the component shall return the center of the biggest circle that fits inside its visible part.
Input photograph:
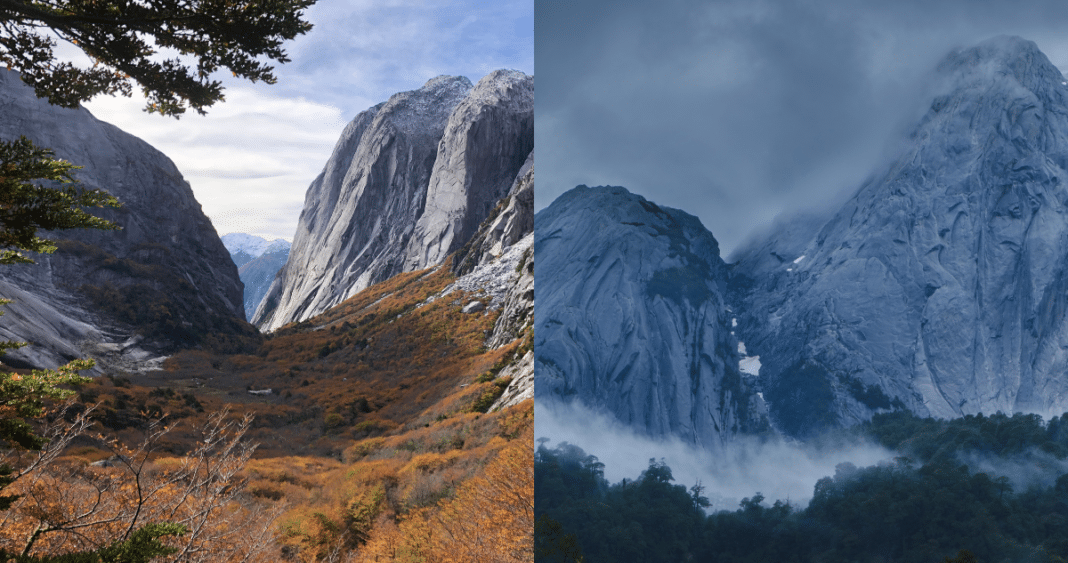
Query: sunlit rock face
(631, 318)
(942, 285)
(409, 181)
(487, 140)
(123, 297)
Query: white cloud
(361, 52)
(249, 161)
(778, 470)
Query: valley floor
(374, 430)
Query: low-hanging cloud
(737, 111)
(1032, 469)
(779, 470)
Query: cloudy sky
(738, 110)
(252, 157)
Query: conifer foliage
(169, 47)
(38, 192)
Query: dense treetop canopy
(169, 47)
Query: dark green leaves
(37, 191)
(125, 39)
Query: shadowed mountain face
(409, 182)
(942, 285)
(164, 281)
(631, 318)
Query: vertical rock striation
(489, 137)
(631, 318)
(409, 182)
(942, 285)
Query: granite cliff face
(163, 281)
(409, 182)
(487, 140)
(632, 320)
(507, 224)
(501, 254)
(942, 286)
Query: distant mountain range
(258, 261)
(244, 248)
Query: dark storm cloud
(737, 111)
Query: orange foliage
(69, 505)
(490, 520)
(369, 449)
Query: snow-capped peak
(252, 245)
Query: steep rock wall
(409, 182)
(942, 285)
(631, 318)
(164, 281)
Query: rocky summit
(941, 287)
(122, 297)
(410, 181)
(486, 142)
(632, 318)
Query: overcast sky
(738, 110)
(251, 159)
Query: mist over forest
(993, 486)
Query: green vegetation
(170, 48)
(27, 206)
(926, 505)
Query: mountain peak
(631, 318)
(939, 286)
(1002, 57)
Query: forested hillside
(995, 486)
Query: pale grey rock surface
(522, 386)
(496, 279)
(942, 285)
(361, 212)
(518, 303)
(631, 319)
(507, 224)
(489, 136)
(515, 321)
(167, 253)
(499, 261)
